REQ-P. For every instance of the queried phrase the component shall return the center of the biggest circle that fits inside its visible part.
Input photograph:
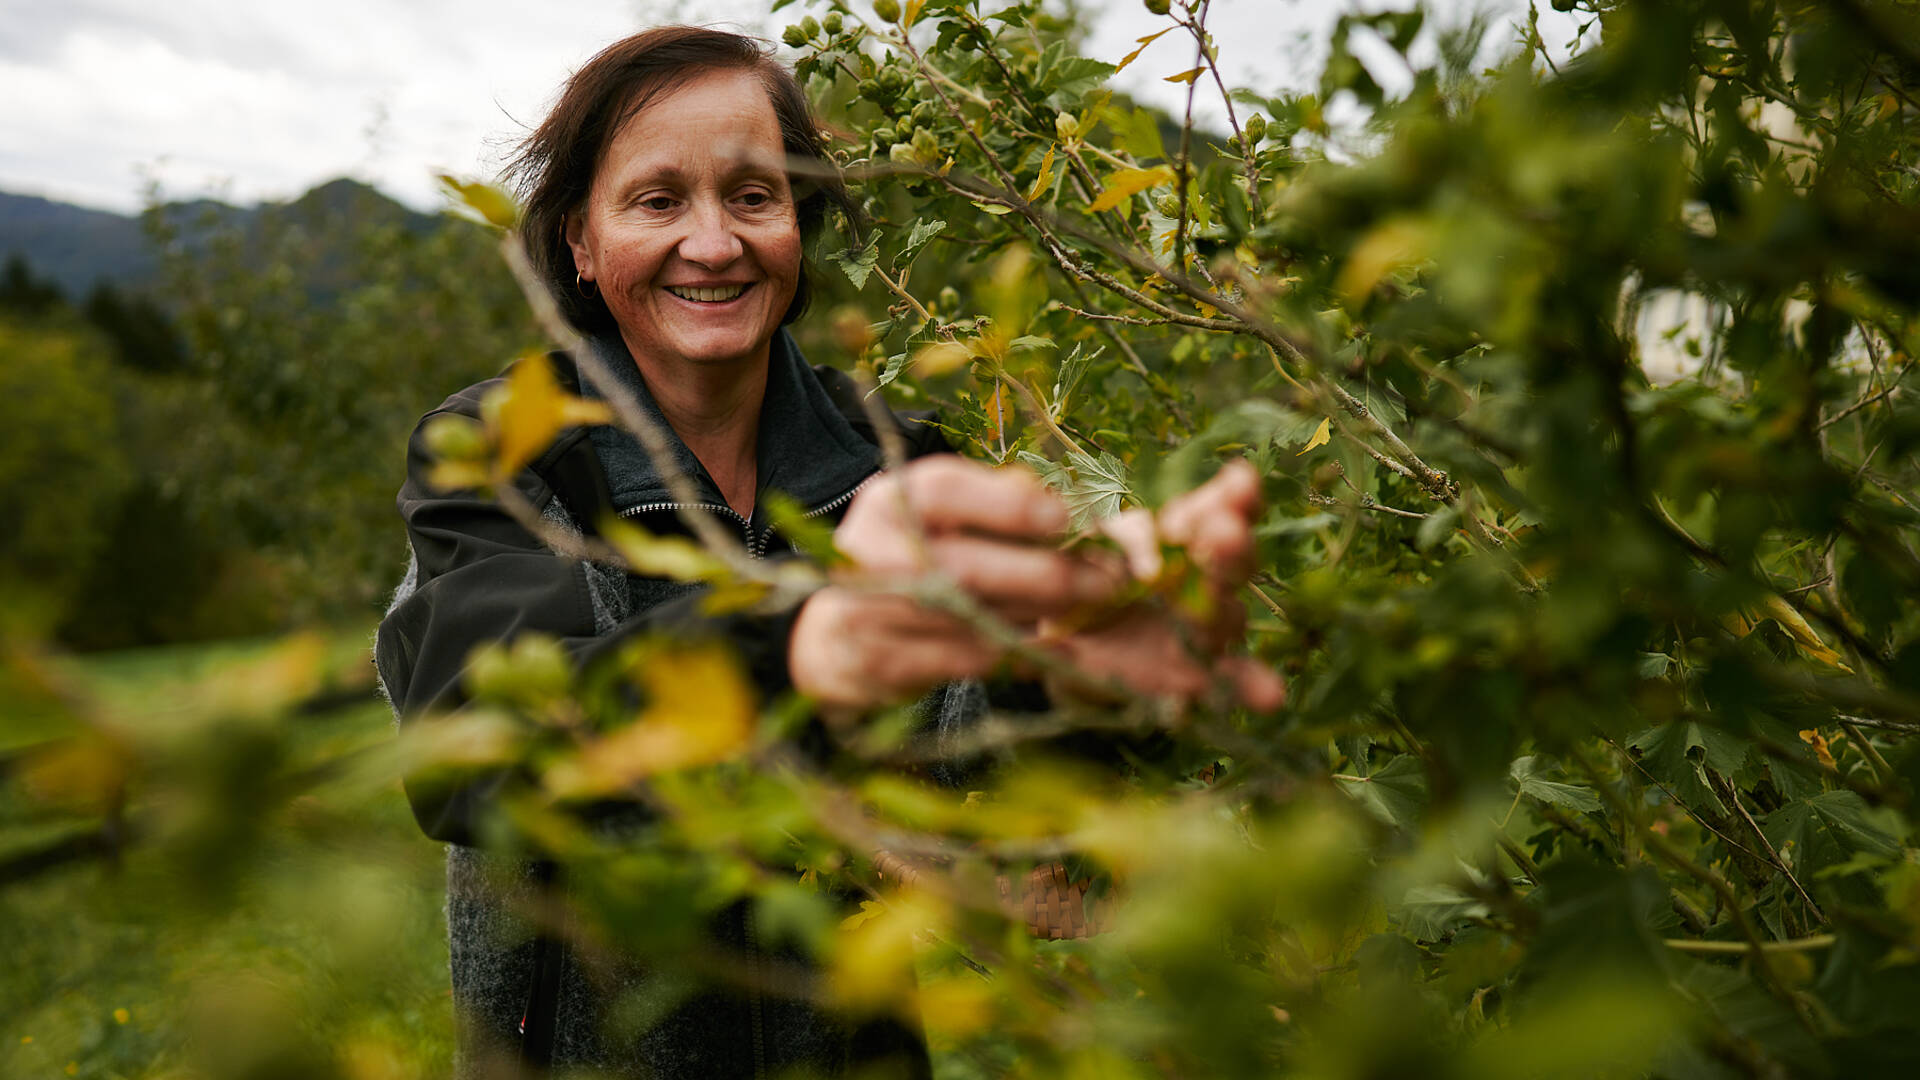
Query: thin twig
(1184, 165)
(1864, 402)
(1732, 797)
(1737, 948)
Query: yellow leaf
(674, 557)
(1392, 244)
(1046, 176)
(1130, 57)
(533, 409)
(494, 206)
(873, 961)
(1803, 635)
(1128, 182)
(957, 1007)
(734, 596)
(88, 773)
(913, 12)
(1818, 741)
(1322, 435)
(700, 710)
(868, 910)
(940, 358)
(1185, 76)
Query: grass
(304, 937)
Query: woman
(666, 209)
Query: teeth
(725, 292)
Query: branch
(1736, 948)
(1183, 165)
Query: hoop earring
(581, 286)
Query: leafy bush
(1599, 755)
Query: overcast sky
(253, 99)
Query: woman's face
(690, 228)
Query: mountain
(72, 245)
(77, 247)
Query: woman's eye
(658, 203)
(756, 199)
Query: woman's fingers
(1137, 536)
(856, 649)
(1215, 522)
(994, 532)
(949, 494)
(1025, 583)
(1258, 686)
(1146, 656)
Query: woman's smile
(710, 295)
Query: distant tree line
(218, 457)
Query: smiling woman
(691, 238)
(667, 197)
(690, 231)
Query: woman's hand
(993, 533)
(1144, 648)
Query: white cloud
(264, 100)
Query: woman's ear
(573, 228)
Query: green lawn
(303, 937)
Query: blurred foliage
(233, 464)
(208, 869)
(1581, 387)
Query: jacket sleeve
(479, 576)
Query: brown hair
(555, 166)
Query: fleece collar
(807, 450)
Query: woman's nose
(712, 239)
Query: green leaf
(1093, 487)
(894, 366)
(857, 265)
(1065, 78)
(1676, 753)
(674, 557)
(810, 536)
(1826, 830)
(1529, 773)
(924, 232)
(1072, 369)
(1385, 406)
(1429, 912)
(1396, 793)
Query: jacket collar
(807, 449)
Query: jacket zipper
(756, 545)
